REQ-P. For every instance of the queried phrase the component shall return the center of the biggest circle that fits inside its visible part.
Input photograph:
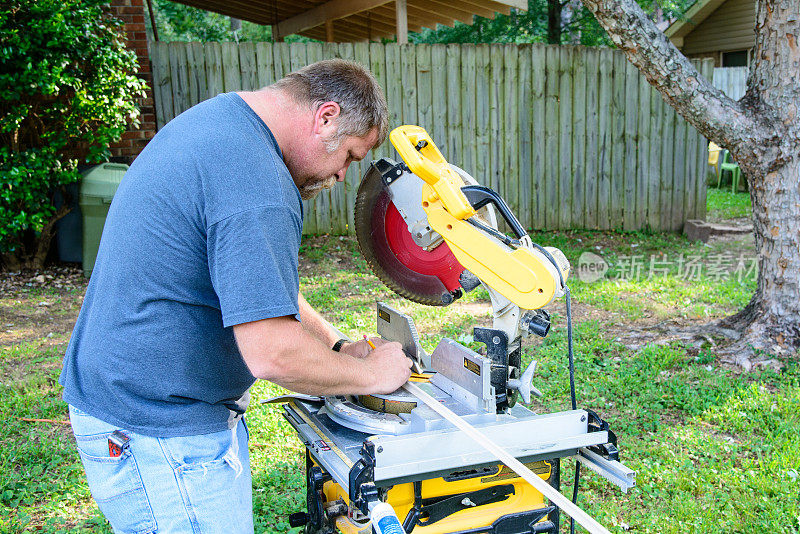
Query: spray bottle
(384, 519)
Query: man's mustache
(310, 190)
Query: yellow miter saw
(430, 232)
(439, 230)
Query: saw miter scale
(431, 233)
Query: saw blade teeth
(369, 191)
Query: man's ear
(325, 118)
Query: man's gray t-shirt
(203, 234)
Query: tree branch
(708, 109)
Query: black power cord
(574, 402)
(571, 358)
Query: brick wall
(132, 13)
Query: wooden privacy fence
(571, 137)
(732, 81)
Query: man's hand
(390, 366)
(361, 348)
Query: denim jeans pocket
(116, 485)
(201, 452)
(213, 473)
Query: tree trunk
(45, 238)
(554, 21)
(35, 251)
(771, 322)
(762, 131)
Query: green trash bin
(97, 191)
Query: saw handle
(426, 161)
(419, 152)
(479, 196)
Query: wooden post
(275, 35)
(154, 27)
(401, 14)
(329, 31)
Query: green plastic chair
(736, 173)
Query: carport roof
(355, 20)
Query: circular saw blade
(407, 269)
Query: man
(195, 294)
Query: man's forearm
(282, 351)
(315, 369)
(315, 324)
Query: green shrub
(67, 90)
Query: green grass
(722, 204)
(715, 451)
(279, 479)
(40, 474)
(668, 296)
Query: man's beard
(312, 189)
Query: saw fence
(571, 137)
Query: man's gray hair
(349, 84)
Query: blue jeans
(193, 484)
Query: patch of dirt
(480, 310)
(40, 304)
(745, 239)
(634, 334)
(322, 253)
